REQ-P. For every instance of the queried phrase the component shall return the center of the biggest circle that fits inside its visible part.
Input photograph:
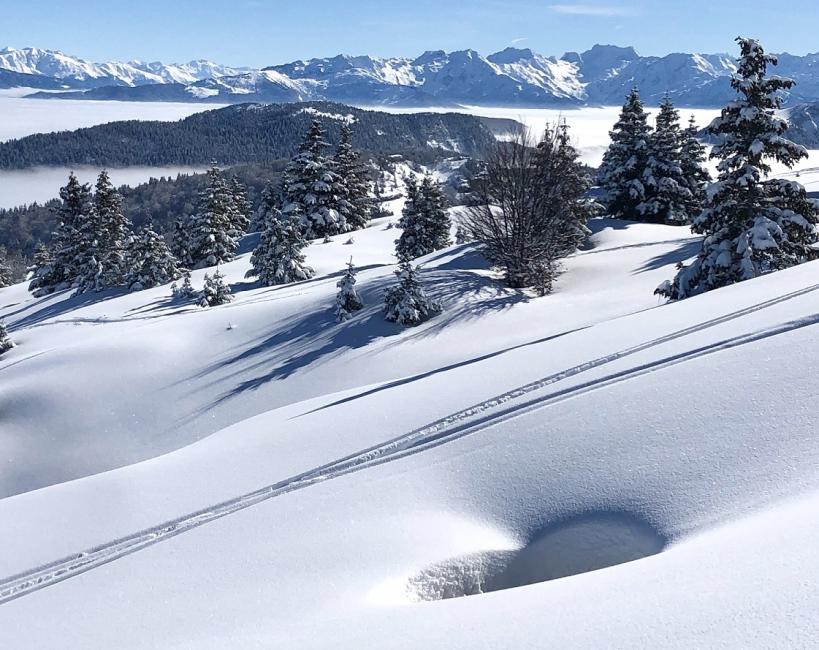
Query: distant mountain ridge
(511, 77)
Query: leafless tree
(529, 208)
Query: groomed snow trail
(452, 427)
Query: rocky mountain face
(512, 77)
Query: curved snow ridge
(452, 427)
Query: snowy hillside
(257, 475)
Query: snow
(258, 475)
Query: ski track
(452, 427)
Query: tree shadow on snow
(685, 251)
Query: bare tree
(529, 207)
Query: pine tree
(312, 189)
(425, 222)
(186, 291)
(150, 262)
(666, 193)
(5, 270)
(752, 226)
(215, 292)
(213, 236)
(355, 203)
(242, 208)
(279, 257)
(6, 343)
(694, 173)
(621, 174)
(347, 299)
(407, 302)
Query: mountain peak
(512, 55)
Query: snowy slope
(329, 477)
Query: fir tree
(279, 257)
(667, 196)
(216, 291)
(312, 189)
(621, 173)
(694, 173)
(355, 203)
(242, 207)
(186, 291)
(347, 299)
(751, 225)
(41, 271)
(69, 246)
(6, 343)
(180, 241)
(213, 237)
(407, 302)
(5, 270)
(115, 230)
(150, 261)
(425, 222)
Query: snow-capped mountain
(511, 77)
(80, 73)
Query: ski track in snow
(452, 427)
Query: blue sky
(265, 32)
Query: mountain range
(512, 77)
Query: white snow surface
(258, 476)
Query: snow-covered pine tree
(425, 222)
(312, 189)
(347, 299)
(6, 343)
(242, 208)
(666, 192)
(5, 270)
(355, 202)
(621, 173)
(150, 262)
(180, 241)
(69, 244)
(407, 303)
(694, 173)
(279, 257)
(378, 210)
(212, 238)
(186, 290)
(216, 291)
(41, 271)
(752, 226)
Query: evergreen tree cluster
(6, 343)
(654, 175)
(752, 225)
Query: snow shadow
(571, 546)
(682, 253)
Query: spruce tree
(6, 343)
(407, 302)
(694, 173)
(425, 222)
(216, 291)
(354, 203)
(150, 262)
(752, 226)
(312, 189)
(667, 196)
(41, 270)
(279, 257)
(621, 173)
(347, 299)
(115, 230)
(213, 237)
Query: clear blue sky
(265, 32)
